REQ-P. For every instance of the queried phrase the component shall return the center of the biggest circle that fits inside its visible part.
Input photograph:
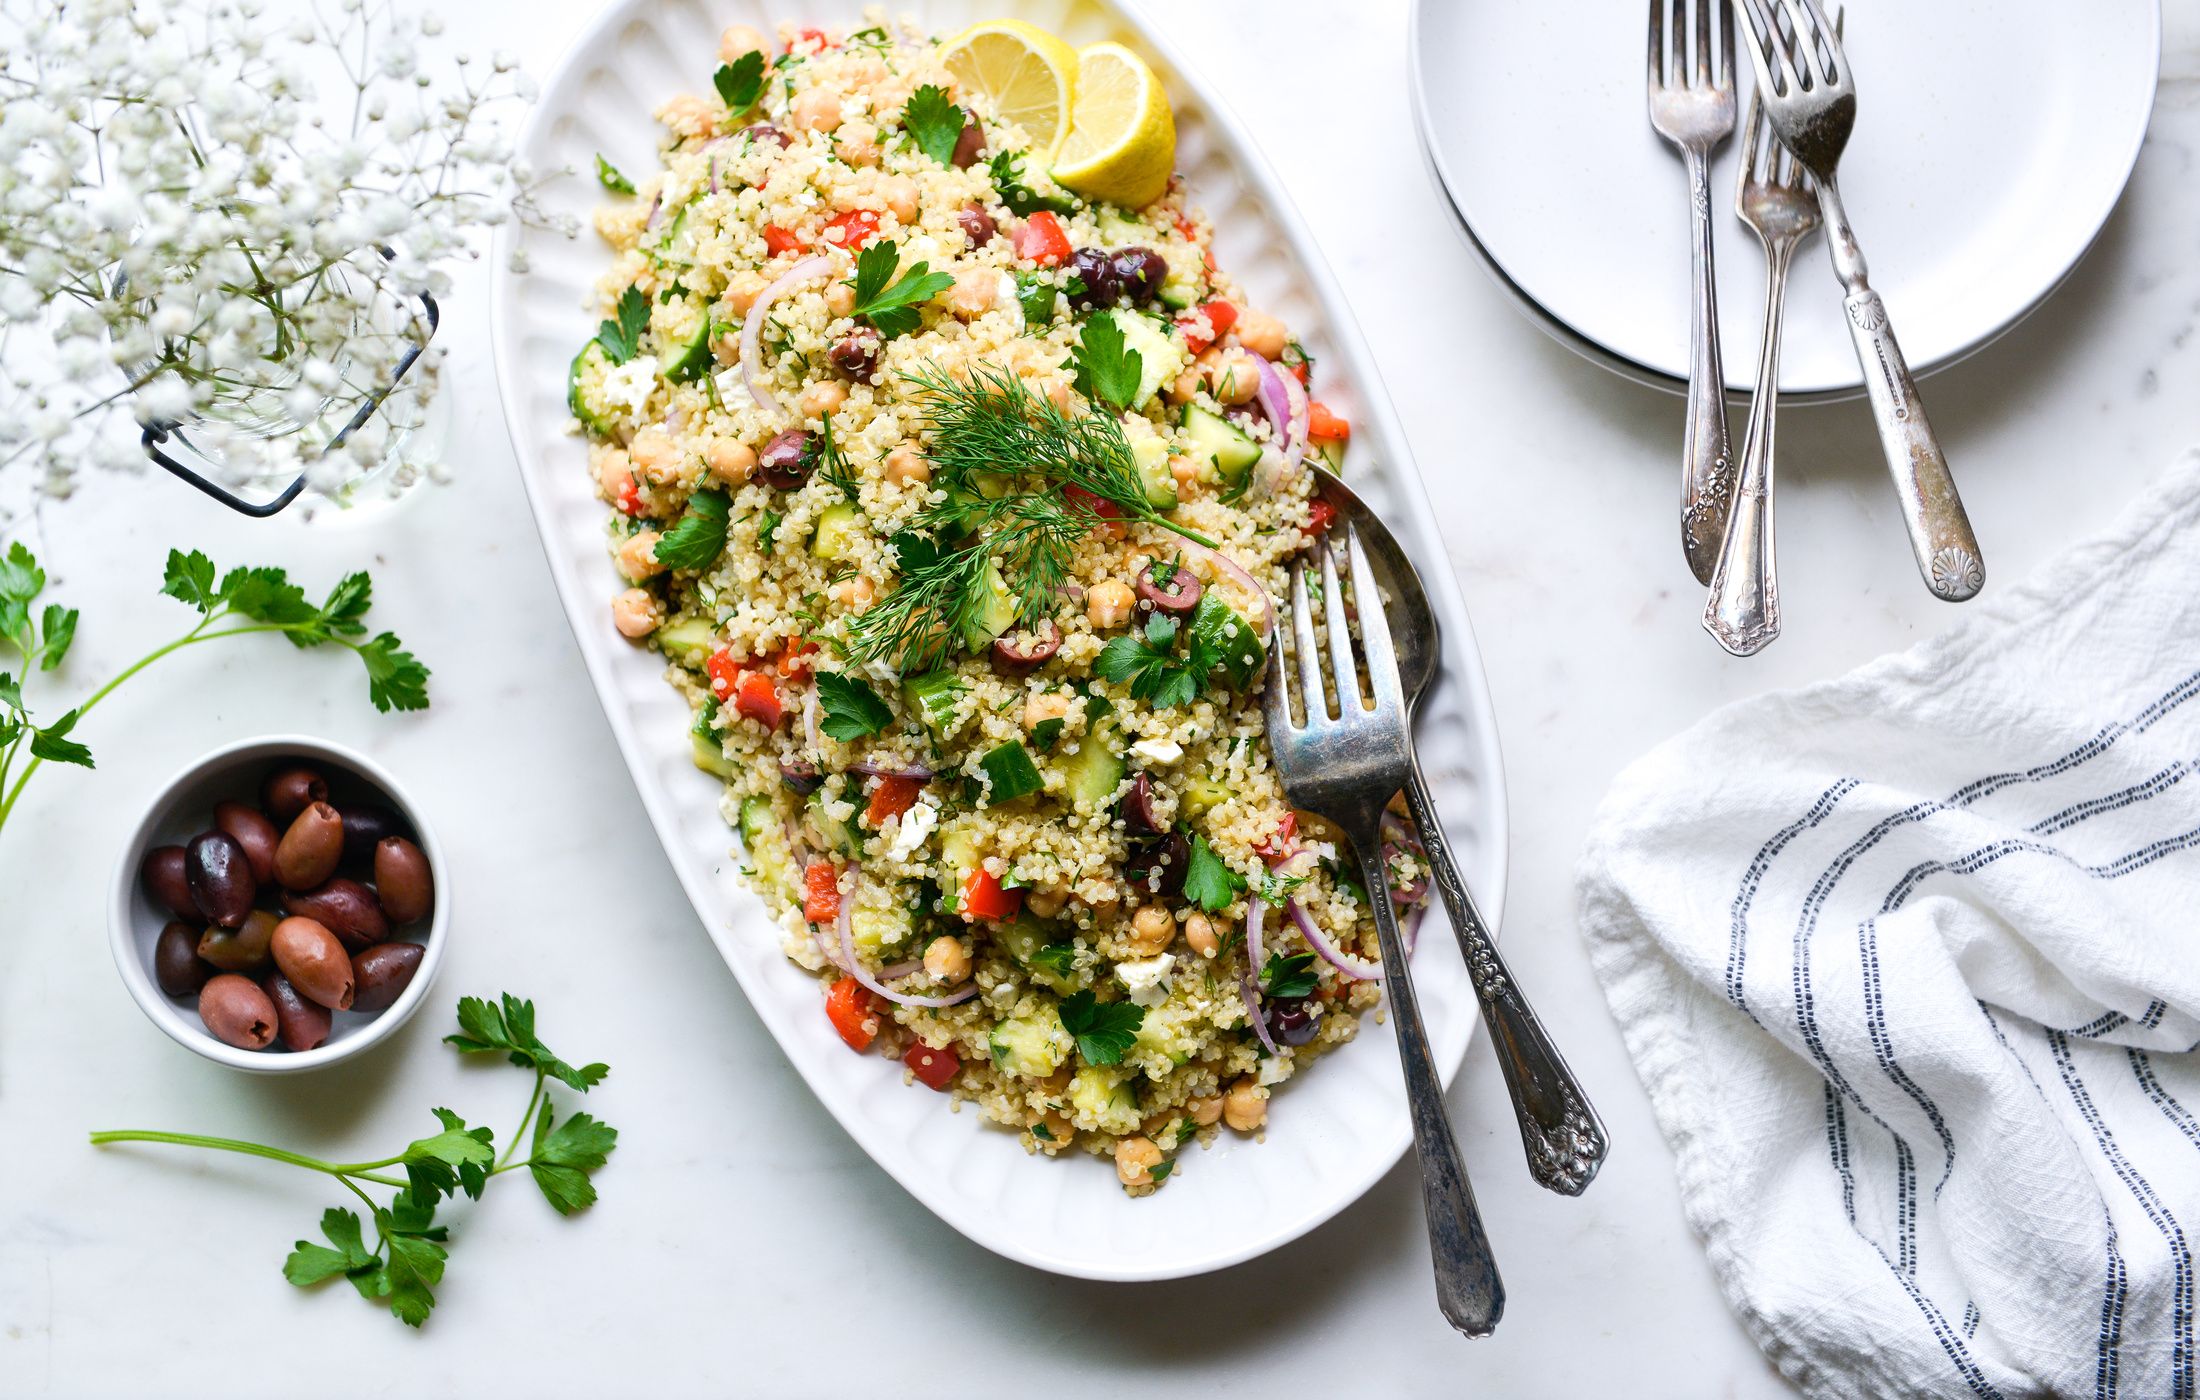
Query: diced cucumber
(1029, 1047)
(1011, 773)
(1187, 273)
(1216, 626)
(877, 931)
(1150, 452)
(1331, 453)
(838, 527)
(591, 356)
(1210, 437)
(1160, 355)
(1032, 943)
(710, 755)
(1119, 230)
(1096, 770)
(933, 696)
(1201, 795)
(959, 855)
(687, 641)
(996, 611)
(765, 846)
(1102, 1096)
(693, 359)
(839, 836)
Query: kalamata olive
(237, 1012)
(220, 875)
(977, 225)
(786, 460)
(251, 829)
(1290, 1020)
(345, 908)
(1138, 813)
(403, 881)
(1158, 867)
(856, 353)
(970, 144)
(167, 885)
(765, 131)
(380, 974)
(314, 961)
(289, 791)
(177, 966)
(241, 949)
(801, 778)
(365, 824)
(1179, 595)
(1020, 648)
(1093, 284)
(302, 1023)
(1140, 273)
(311, 848)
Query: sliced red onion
(1286, 406)
(752, 325)
(845, 927)
(810, 732)
(1410, 934)
(714, 175)
(1358, 969)
(1395, 828)
(1223, 563)
(900, 970)
(1248, 984)
(880, 770)
(656, 203)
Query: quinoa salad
(954, 481)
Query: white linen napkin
(1909, 962)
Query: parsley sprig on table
(238, 603)
(1022, 483)
(407, 1257)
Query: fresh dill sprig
(832, 463)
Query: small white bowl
(183, 809)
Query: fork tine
(1311, 697)
(1830, 56)
(1701, 50)
(1752, 121)
(1726, 42)
(1802, 48)
(1342, 667)
(1275, 697)
(1657, 44)
(1382, 657)
(1767, 49)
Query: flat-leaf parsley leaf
(1104, 1030)
(609, 177)
(740, 82)
(1291, 976)
(852, 709)
(934, 122)
(889, 305)
(1209, 883)
(1107, 372)
(699, 537)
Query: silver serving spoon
(1564, 1139)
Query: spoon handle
(1564, 1139)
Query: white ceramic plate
(1992, 140)
(1333, 1130)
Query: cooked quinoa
(1052, 798)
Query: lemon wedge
(1122, 137)
(1025, 72)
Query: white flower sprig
(216, 218)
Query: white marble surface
(743, 1242)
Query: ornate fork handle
(1743, 612)
(1940, 532)
(1707, 468)
(1565, 1141)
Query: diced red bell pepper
(779, 240)
(821, 892)
(1187, 228)
(854, 1012)
(809, 41)
(630, 497)
(893, 796)
(724, 672)
(1041, 239)
(1206, 323)
(1324, 426)
(757, 696)
(983, 898)
(1284, 844)
(933, 1067)
(852, 230)
(794, 662)
(1093, 505)
(1320, 516)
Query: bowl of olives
(281, 907)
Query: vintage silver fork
(1347, 769)
(1692, 106)
(1810, 96)
(1774, 197)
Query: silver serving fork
(1347, 769)
(1810, 96)
(1774, 197)
(1692, 106)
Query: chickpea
(905, 465)
(840, 300)
(743, 290)
(638, 556)
(1185, 387)
(823, 397)
(1153, 929)
(1043, 705)
(655, 455)
(857, 143)
(738, 39)
(1108, 603)
(1245, 1107)
(863, 72)
(690, 116)
(1057, 1083)
(1135, 1159)
(1199, 932)
(900, 194)
(1262, 334)
(614, 472)
(974, 292)
(855, 594)
(816, 108)
(1057, 392)
(636, 613)
(946, 959)
(1045, 903)
(730, 461)
(1185, 470)
(1231, 375)
(1060, 1132)
(1205, 1112)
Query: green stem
(341, 1170)
(519, 1134)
